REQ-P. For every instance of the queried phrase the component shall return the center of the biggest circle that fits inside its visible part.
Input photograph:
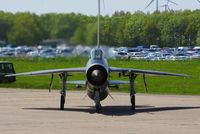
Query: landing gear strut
(62, 102)
(133, 102)
(97, 101)
(63, 91)
(132, 91)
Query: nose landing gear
(97, 101)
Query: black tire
(133, 102)
(98, 108)
(62, 102)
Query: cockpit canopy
(97, 54)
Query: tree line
(166, 29)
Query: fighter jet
(97, 74)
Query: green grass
(156, 85)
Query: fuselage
(97, 74)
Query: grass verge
(156, 85)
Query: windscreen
(6, 68)
(97, 54)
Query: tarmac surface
(37, 112)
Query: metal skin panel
(91, 86)
(146, 72)
(103, 90)
(93, 62)
(54, 71)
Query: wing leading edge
(54, 71)
(111, 69)
(146, 72)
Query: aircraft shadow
(117, 110)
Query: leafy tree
(24, 31)
(120, 13)
(46, 24)
(6, 23)
(65, 25)
(110, 27)
(107, 32)
(151, 33)
(173, 31)
(198, 38)
(133, 30)
(167, 29)
(191, 34)
(91, 38)
(120, 32)
(80, 35)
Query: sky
(89, 7)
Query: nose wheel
(97, 101)
(98, 108)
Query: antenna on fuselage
(98, 32)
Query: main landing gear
(132, 77)
(62, 102)
(63, 91)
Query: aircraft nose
(97, 75)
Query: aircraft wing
(146, 72)
(117, 82)
(55, 71)
(77, 82)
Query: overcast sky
(89, 7)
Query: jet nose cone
(97, 75)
